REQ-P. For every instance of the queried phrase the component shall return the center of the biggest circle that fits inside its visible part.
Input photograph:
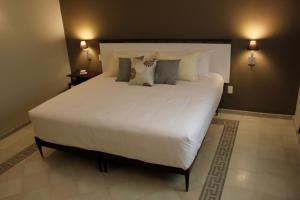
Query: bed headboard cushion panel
(220, 53)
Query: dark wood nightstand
(77, 78)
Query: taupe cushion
(142, 72)
(166, 72)
(125, 68)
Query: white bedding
(163, 124)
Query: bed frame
(103, 158)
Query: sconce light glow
(85, 32)
(255, 26)
(83, 44)
(256, 31)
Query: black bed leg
(187, 180)
(105, 167)
(99, 162)
(217, 112)
(39, 146)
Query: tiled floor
(265, 164)
(14, 143)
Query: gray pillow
(166, 72)
(125, 69)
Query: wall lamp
(84, 46)
(252, 47)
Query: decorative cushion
(113, 64)
(125, 68)
(142, 72)
(166, 72)
(188, 66)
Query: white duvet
(163, 124)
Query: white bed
(163, 124)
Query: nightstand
(77, 78)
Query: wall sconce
(252, 47)
(83, 44)
(85, 47)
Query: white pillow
(113, 64)
(204, 63)
(188, 65)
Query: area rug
(79, 176)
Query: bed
(163, 125)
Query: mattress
(163, 124)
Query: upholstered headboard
(220, 53)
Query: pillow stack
(163, 68)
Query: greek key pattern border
(214, 183)
(17, 158)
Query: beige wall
(297, 114)
(33, 58)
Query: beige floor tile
(63, 191)
(14, 197)
(34, 167)
(274, 185)
(238, 193)
(89, 184)
(265, 196)
(14, 173)
(240, 161)
(10, 188)
(128, 191)
(270, 184)
(273, 166)
(36, 181)
(97, 195)
(39, 194)
(162, 195)
(271, 152)
(16, 142)
(240, 178)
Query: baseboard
(256, 114)
(7, 133)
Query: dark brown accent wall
(271, 86)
